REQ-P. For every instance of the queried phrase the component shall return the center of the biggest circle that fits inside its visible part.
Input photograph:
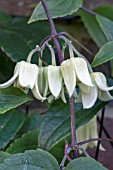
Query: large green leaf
(18, 38)
(105, 11)
(100, 28)
(31, 160)
(107, 27)
(85, 163)
(56, 123)
(32, 122)
(105, 54)
(6, 68)
(28, 141)
(12, 97)
(3, 155)
(59, 8)
(94, 28)
(10, 123)
(4, 18)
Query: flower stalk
(71, 102)
(73, 130)
(53, 31)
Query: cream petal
(68, 72)
(89, 100)
(101, 81)
(63, 95)
(93, 133)
(36, 92)
(84, 88)
(9, 82)
(16, 84)
(40, 79)
(27, 74)
(46, 85)
(50, 98)
(82, 71)
(83, 134)
(71, 53)
(104, 96)
(54, 80)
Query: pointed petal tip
(9, 82)
(69, 76)
(101, 81)
(82, 71)
(37, 94)
(89, 100)
(54, 80)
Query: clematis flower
(88, 131)
(25, 76)
(88, 96)
(54, 80)
(74, 71)
(100, 90)
(103, 89)
(68, 74)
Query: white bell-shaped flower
(88, 95)
(82, 71)
(100, 90)
(101, 81)
(103, 88)
(54, 80)
(25, 77)
(68, 73)
(88, 131)
(75, 71)
(26, 73)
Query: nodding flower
(88, 131)
(100, 90)
(73, 77)
(26, 74)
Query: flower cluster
(52, 82)
(89, 131)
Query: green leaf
(56, 123)
(107, 27)
(12, 97)
(58, 150)
(18, 38)
(105, 54)
(6, 68)
(105, 11)
(87, 163)
(59, 8)
(94, 28)
(32, 122)
(31, 160)
(28, 141)
(3, 155)
(10, 123)
(4, 18)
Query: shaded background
(25, 7)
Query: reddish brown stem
(53, 31)
(73, 130)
